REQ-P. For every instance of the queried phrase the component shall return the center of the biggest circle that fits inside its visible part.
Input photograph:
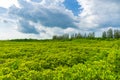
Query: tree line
(109, 34)
(115, 34)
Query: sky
(41, 19)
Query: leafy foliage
(78, 59)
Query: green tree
(85, 35)
(79, 35)
(104, 35)
(116, 34)
(110, 33)
(54, 37)
(91, 35)
(65, 36)
(72, 36)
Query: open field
(80, 59)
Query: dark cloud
(5, 21)
(26, 27)
(43, 15)
(54, 18)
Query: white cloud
(99, 13)
(8, 3)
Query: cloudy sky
(42, 19)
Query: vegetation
(109, 34)
(77, 59)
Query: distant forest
(109, 34)
(106, 35)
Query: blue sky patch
(72, 5)
(36, 0)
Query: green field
(81, 59)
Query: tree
(76, 36)
(65, 36)
(116, 34)
(79, 35)
(85, 35)
(104, 35)
(54, 37)
(110, 33)
(91, 35)
(72, 36)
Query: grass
(79, 59)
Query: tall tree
(78, 35)
(91, 35)
(104, 35)
(85, 35)
(72, 36)
(116, 34)
(110, 33)
(65, 36)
